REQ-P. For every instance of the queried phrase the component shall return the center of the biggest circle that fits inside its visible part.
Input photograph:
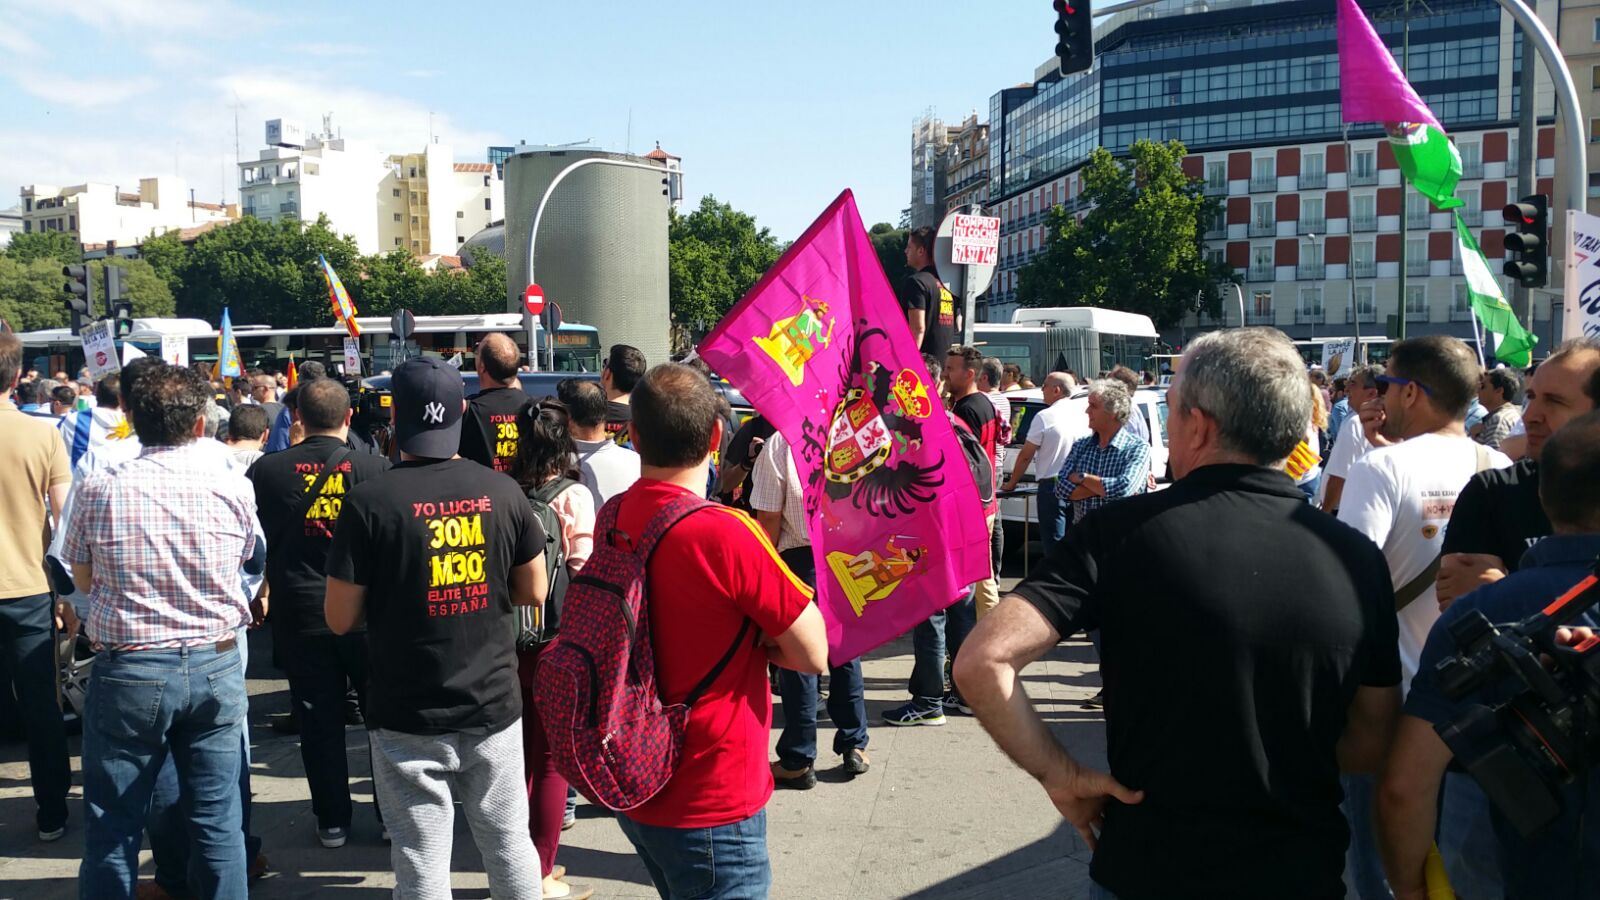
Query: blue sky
(774, 107)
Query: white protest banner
(1338, 356)
(1582, 299)
(131, 353)
(975, 241)
(352, 356)
(100, 349)
(175, 349)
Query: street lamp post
(1322, 283)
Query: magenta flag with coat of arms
(821, 348)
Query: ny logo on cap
(433, 413)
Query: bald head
(497, 360)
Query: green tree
(264, 272)
(715, 255)
(394, 281)
(31, 298)
(57, 245)
(890, 243)
(1141, 246)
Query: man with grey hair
(1271, 720)
(1051, 434)
(1111, 462)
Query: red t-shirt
(711, 572)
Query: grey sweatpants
(419, 777)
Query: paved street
(941, 813)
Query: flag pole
(1350, 257)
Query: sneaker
(568, 819)
(556, 889)
(1098, 701)
(333, 838)
(259, 867)
(52, 835)
(149, 890)
(856, 762)
(953, 702)
(794, 779)
(912, 714)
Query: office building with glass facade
(1310, 221)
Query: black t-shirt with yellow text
(434, 543)
(924, 291)
(296, 556)
(489, 428)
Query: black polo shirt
(1237, 623)
(1498, 512)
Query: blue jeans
(1096, 892)
(847, 707)
(165, 824)
(1363, 868)
(142, 707)
(1052, 516)
(959, 621)
(927, 662)
(727, 862)
(1467, 840)
(27, 645)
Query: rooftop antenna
(236, 105)
(627, 146)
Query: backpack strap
(550, 490)
(716, 670)
(665, 519)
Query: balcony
(1417, 266)
(1312, 180)
(1214, 189)
(1368, 316)
(1262, 273)
(1313, 226)
(1457, 267)
(1310, 272)
(1472, 216)
(1214, 232)
(1257, 317)
(1309, 316)
(1460, 313)
(1420, 220)
(1416, 315)
(1263, 229)
(1263, 184)
(289, 208)
(1364, 268)
(1363, 223)
(1472, 169)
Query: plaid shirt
(1123, 464)
(166, 534)
(778, 488)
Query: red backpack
(610, 735)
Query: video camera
(1522, 751)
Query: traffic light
(80, 294)
(1074, 35)
(1531, 216)
(120, 305)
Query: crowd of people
(1267, 625)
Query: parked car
(1149, 402)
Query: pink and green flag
(1373, 89)
(821, 348)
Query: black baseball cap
(428, 402)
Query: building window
(1263, 217)
(1311, 218)
(397, 217)
(1261, 305)
(1460, 300)
(1594, 131)
(1364, 302)
(27, 226)
(1416, 256)
(1416, 301)
(413, 196)
(485, 181)
(1471, 210)
(461, 214)
(397, 192)
(1363, 212)
(1217, 174)
(397, 242)
(1364, 167)
(460, 240)
(1264, 174)
(1311, 303)
(486, 203)
(1362, 262)
(413, 171)
(413, 221)
(1597, 31)
(1594, 78)
(1511, 154)
(1416, 210)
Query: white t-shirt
(1349, 446)
(1401, 497)
(1053, 431)
(607, 469)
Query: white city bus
(1086, 339)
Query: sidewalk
(941, 813)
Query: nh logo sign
(433, 413)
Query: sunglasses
(1385, 380)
